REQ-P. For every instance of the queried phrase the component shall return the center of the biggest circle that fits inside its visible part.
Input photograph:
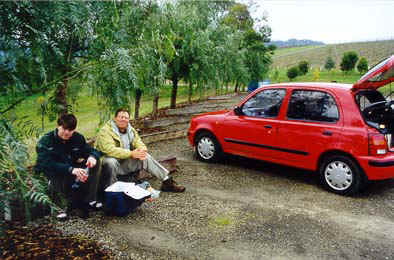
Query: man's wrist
(70, 169)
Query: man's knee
(110, 163)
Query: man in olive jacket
(124, 152)
(64, 157)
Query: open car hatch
(380, 75)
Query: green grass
(324, 76)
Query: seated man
(64, 157)
(124, 152)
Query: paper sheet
(129, 188)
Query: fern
(17, 182)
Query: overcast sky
(330, 21)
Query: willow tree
(55, 37)
(130, 65)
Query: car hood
(380, 75)
(220, 112)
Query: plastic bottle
(77, 183)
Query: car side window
(312, 105)
(266, 103)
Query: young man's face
(122, 120)
(64, 134)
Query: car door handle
(329, 133)
(268, 126)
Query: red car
(342, 131)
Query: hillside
(317, 55)
(295, 42)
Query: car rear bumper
(378, 168)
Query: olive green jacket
(109, 143)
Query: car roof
(318, 85)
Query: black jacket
(58, 157)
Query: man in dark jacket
(70, 164)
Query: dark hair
(122, 109)
(67, 121)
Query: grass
(324, 76)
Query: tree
(54, 38)
(362, 65)
(303, 67)
(254, 36)
(329, 64)
(293, 72)
(349, 61)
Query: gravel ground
(246, 209)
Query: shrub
(330, 64)
(18, 184)
(349, 61)
(293, 72)
(362, 65)
(303, 67)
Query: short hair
(67, 121)
(122, 109)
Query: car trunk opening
(378, 109)
(378, 112)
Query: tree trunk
(155, 108)
(174, 92)
(61, 98)
(236, 88)
(138, 94)
(190, 92)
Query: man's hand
(91, 162)
(80, 174)
(138, 154)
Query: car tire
(207, 148)
(341, 175)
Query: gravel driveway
(246, 209)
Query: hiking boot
(170, 185)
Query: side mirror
(238, 111)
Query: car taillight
(377, 144)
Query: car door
(252, 132)
(312, 124)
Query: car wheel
(341, 175)
(207, 147)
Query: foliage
(362, 65)
(303, 67)
(329, 64)
(293, 72)
(316, 74)
(349, 61)
(53, 39)
(17, 182)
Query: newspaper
(129, 188)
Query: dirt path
(245, 209)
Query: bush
(330, 64)
(349, 61)
(362, 65)
(303, 67)
(18, 184)
(293, 72)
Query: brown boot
(170, 185)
